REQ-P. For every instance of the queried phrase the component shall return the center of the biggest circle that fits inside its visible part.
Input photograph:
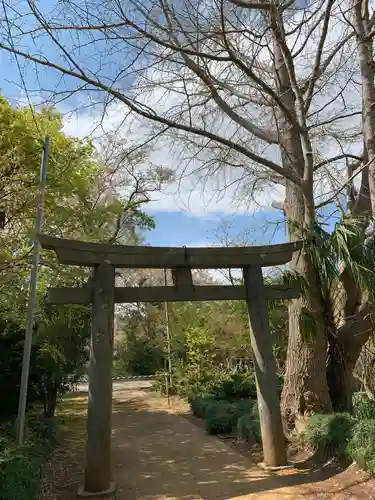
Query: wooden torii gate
(102, 293)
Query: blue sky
(261, 227)
(175, 224)
(181, 228)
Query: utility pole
(32, 298)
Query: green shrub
(361, 446)
(21, 467)
(243, 407)
(234, 386)
(364, 407)
(329, 434)
(200, 404)
(248, 429)
(248, 426)
(187, 382)
(220, 417)
(221, 383)
(139, 356)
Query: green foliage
(59, 351)
(200, 404)
(364, 407)
(80, 203)
(21, 467)
(329, 434)
(361, 447)
(211, 351)
(347, 245)
(118, 368)
(217, 381)
(248, 426)
(244, 407)
(11, 352)
(199, 343)
(345, 436)
(139, 356)
(234, 386)
(220, 417)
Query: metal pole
(166, 383)
(168, 334)
(32, 298)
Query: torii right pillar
(265, 369)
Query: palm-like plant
(344, 265)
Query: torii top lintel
(81, 253)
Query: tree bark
(340, 376)
(344, 350)
(354, 325)
(51, 401)
(364, 372)
(361, 22)
(305, 385)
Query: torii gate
(103, 295)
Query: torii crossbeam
(102, 293)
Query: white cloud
(199, 196)
(205, 193)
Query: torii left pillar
(97, 481)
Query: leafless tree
(257, 92)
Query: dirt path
(160, 455)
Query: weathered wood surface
(182, 277)
(169, 294)
(99, 417)
(265, 369)
(91, 254)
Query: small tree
(61, 350)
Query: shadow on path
(160, 455)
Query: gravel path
(160, 455)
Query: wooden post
(265, 369)
(98, 449)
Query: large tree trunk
(305, 386)
(362, 26)
(345, 347)
(364, 372)
(355, 324)
(340, 376)
(322, 352)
